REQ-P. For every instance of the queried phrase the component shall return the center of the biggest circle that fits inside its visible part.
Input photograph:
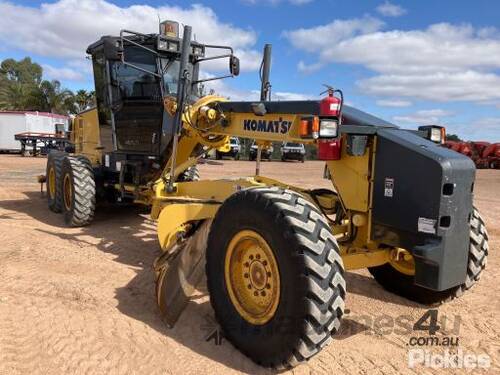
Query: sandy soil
(81, 300)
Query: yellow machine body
(351, 176)
(145, 151)
(86, 135)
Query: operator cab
(133, 73)
(129, 73)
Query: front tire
(78, 190)
(403, 285)
(283, 310)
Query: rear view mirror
(234, 65)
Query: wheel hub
(258, 275)
(402, 261)
(68, 192)
(252, 277)
(52, 183)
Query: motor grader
(274, 254)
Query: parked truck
(22, 131)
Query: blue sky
(410, 62)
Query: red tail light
(329, 149)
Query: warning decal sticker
(389, 187)
(426, 225)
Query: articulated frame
(199, 200)
(191, 202)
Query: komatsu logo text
(268, 126)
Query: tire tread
(84, 192)
(322, 270)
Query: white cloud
(224, 88)
(388, 9)
(280, 95)
(276, 2)
(63, 73)
(65, 28)
(441, 47)
(423, 117)
(490, 125)
(440, 86)
(323, 37)
(443, 62)
(396, 103)
(84, 65)
(482, 129)
(308, 68)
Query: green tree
(83, 100)
(18, 79)
(14, 96)
(453, 137)
(22, 88)
(23, 71)
(49, 96)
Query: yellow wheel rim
(68, 192)
(52, 183)
(252, 277)
(402, 261)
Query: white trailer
(16, 122)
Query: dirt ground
(81, 301)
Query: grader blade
(178, 273)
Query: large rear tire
(53, 180)
(403, 285)
(78, 191)
(275, 276)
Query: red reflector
(329, 149)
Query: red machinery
(484, 154)
(491, 154)
(477, 149)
